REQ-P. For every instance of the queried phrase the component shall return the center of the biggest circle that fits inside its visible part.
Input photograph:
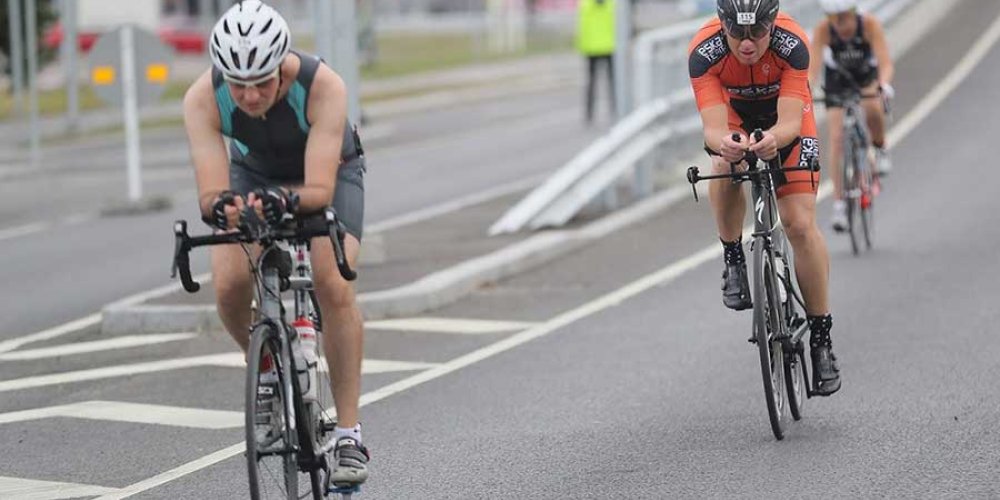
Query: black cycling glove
(217, 217)
(275, 202)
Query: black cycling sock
(733, 251)
(819, 331)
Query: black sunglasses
(751, 32)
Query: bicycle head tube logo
(759, 208)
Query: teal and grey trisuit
(271, 151)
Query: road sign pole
(70, 58)
(130, 109)
(31, 31)
(16, 52)
(346, 55)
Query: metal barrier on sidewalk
(664, 110)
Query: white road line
(72, 326)
(455, 205)
(116, 411)
(946, 86)
(96, 346)
(30, 489)
(228, 360)
(660, 278)
(447, 325)
(14, 232)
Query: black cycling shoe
(826, 373)
(736, 287)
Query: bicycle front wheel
(271, 442)
(868, 206)
(766, 331)
(852, 192)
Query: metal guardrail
(664, 110)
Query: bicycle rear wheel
(271, 455)
(766, 331)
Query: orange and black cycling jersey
(751, 91)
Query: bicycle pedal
(752, 340)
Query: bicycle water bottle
(306, 357)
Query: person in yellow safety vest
(595, 39)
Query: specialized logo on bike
(759, 208)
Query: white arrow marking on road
(95, 346)
(30, 489)
(133, 412)
(448, 325)
(233, 360)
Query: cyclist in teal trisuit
(292, 150)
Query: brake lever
(337, 234)
(181, 261)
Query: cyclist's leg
(728, 200)
(875, 116)
(233, 291)
(812, 262)
(231, 272)
(343, 339)
(797, 207)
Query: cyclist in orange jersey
(749, 70)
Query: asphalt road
(625, 376)
(53, 230)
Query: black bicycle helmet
(742, 18)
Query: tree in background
(46, 15)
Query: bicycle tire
(765, 319)
(852, 192)
(792, 317)
(868, 208)
(264, 341)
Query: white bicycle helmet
(250, 40)
(838, 6)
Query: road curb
(434, 290)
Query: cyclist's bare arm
(715, 121)
(789, 125)
(327, 114)
(880, 47)
(820, 39)
(208, 150)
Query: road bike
(861, 184)
(286, 435)
(779, 319)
